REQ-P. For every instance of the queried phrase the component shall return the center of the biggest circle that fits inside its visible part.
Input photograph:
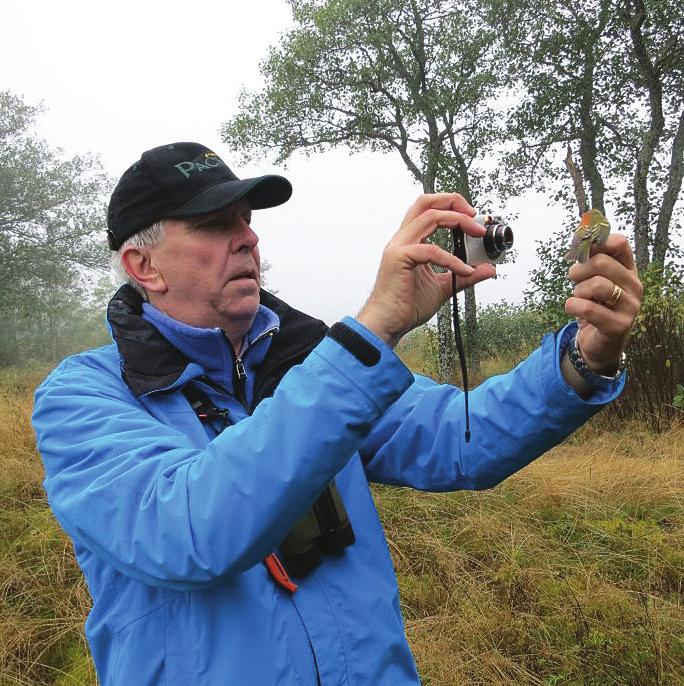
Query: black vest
(151, 363)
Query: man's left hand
(605, 314)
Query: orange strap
(277, 571)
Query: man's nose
(246, 239)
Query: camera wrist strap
(457, 334)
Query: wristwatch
(590, 376)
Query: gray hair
(148, 237)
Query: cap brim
(261, 192)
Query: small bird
(593, 228)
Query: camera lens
(505, 234)
(497, 240)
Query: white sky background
(120, 78)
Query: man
(224, 432)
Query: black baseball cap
(183, 180)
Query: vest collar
(150, 363)
(210, 348)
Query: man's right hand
(407, 291)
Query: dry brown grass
(43, 600)
(17, 440)
(569, 573)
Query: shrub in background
(510, 330)
(419, 352)
(507, 333)
(549, 286)
(655, 354)
(678, 401)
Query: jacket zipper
(239, 383)
(264, 334)
(239, 372)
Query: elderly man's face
(210, 265)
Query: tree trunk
(470, 307)
(651, 138)
(641, 200)
(578, 182)
(588, 146)
(445, 333)
(661, 242)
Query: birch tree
(603, 89)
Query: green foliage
(678, 400)
(602, 81)
(510, 329)
(51, 247)
(387, 76)
(655, 355)
(549, 286)
(507, 334)
(419, 351)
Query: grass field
(570, 573)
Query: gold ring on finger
(617, 292)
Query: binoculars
(325, 528)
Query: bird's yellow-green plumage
(593, 228)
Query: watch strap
(580, 366)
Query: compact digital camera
(490, 248)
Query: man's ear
(141, 266)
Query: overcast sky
(119, 78)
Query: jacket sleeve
(141, 496)
(514, 418)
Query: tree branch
(578, 182)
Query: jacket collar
(210, 347)
(150, 363)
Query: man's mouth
(245, 274)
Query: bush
(505, 329)
(655, 355)
(549, 286)
(507, 333)
(419, 352)
(678, 401)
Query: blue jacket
(170, 522)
